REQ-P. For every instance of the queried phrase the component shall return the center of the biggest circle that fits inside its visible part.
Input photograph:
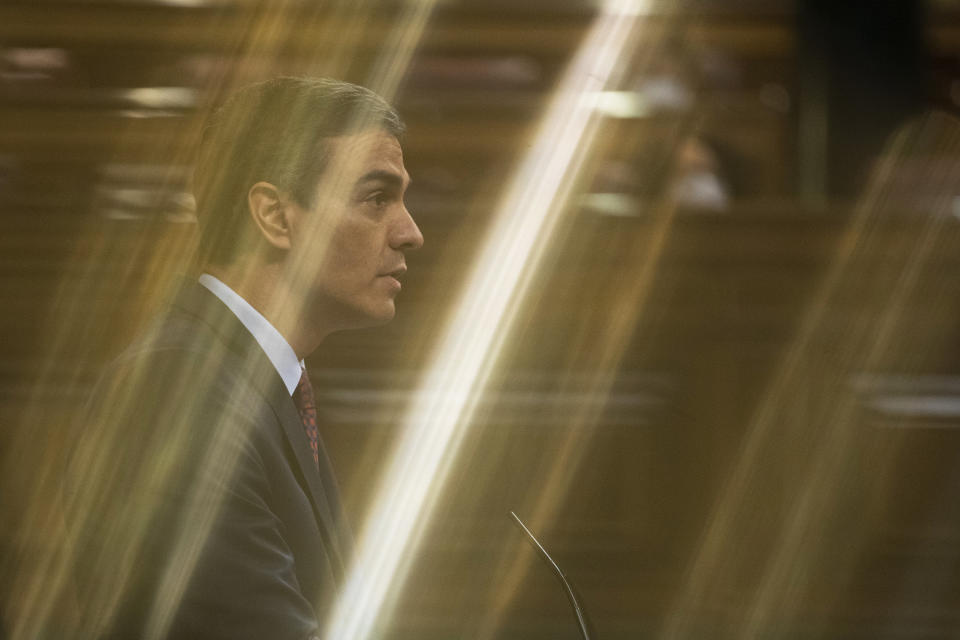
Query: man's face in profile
(349, 247)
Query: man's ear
(271, 213)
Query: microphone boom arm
(577, 610)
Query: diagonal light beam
(438, 418)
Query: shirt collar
(278, 350)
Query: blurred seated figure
(699, 181)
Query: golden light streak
(629, 299)
(392, 66)
(783, 578)
(436, 422)
(629, 304)
(718, 534)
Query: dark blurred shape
(861, 68)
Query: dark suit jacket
(197, 509)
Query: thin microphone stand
(577, 610)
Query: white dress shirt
(278, 350)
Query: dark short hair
(274, 131)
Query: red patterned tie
(303, 398)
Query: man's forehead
(369, 153)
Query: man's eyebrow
(382, 175)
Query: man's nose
(407, 234)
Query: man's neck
(264, 288)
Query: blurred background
(729, 403)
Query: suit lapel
(201, 303)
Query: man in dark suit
(201, 499)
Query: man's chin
(373, 316)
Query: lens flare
(440, 414)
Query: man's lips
(394, 276)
